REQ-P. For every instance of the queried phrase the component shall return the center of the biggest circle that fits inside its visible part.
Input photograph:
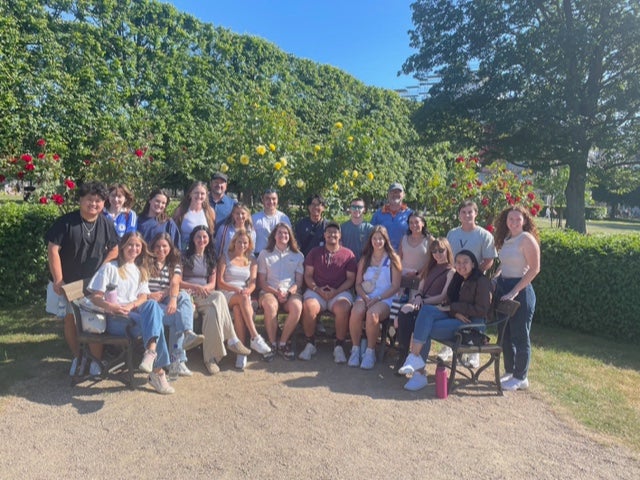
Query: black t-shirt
(309, 235)
(83, 248)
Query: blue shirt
(124, 222)
(222, 208)
(149, 228)
(354, 237)
(397, 225)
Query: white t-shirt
(127, 288)
(264, 225)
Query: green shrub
(590, 284)
(595, 213)
(23, 263)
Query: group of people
(213, 257)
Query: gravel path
(290, 420)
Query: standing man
(355, 231)
(394, 215)
(78, 243)
(265, 221)
(329, 274)
(472, 237)
(310, 230)
(218, 198)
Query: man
(329, 274)
(264, 222)
(78, 243)
(218, 198)
(472, 237)
(310, 230)
(280, 277)
(394, 215)
(355, 231)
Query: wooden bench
(74, 293)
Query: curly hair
(502, 230)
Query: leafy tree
(548, 81)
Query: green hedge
(590, 284)
(23, 262)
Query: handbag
(56, 304)
(472, 336)
(93, 318)
(369, 285)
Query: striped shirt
(162, 281)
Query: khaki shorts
(324, 305)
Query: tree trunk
(574, 193)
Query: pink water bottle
(441, 380)
(111, 295)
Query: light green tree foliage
(549, 81)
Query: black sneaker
(287, 352)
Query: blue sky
(366, 38)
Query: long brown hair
(440, 242)
(142, 261)
(163, 217)
(271, 243)
(502, 231)
(183, 207)
(172, 260)
(367, 252)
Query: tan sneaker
(212, 367)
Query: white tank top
(512, 259)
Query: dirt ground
(313, 420)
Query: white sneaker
(416, 382)
(445, 353)
(159, 382)
(183, 370)
(368, 360)
(95, 369)
(191, 340)
(259, 345)
(354, 358)
(148, 359)
(470, 360)
(515, 384)
(412, 364)
(309, 350)
(506, 377)
(338, 354)
(241, 362)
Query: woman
(117, 208)
(377, 281)
(237, 272)
(240, 217)
(194, 210)
(154, 219)
(280, 277)
(129, 274)
(199, 276)
(414, 247)
(432, 290)
(164, 283)
(468, 301)
(518, 243)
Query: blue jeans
(178, 322)
(516, 343)
(433, 323)
(147, 320)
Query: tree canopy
(547, 82)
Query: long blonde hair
(183, 207)
(142, 261)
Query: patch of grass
(29, 335)
(595, 381)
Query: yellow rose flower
(351, 183)
(282, 182)
(346, 173)
(300, 184)
(338, 124)
(272, 147)
(355, 174)
(335, 187)
(283, 161)
(277, 165)
(317, 148)
(230, 159)
(244, 159)
(350, 138)
(224, 168)
(261, 149)
(370, 175)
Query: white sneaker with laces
(338, 354)
(515, 384)
(241, 362)
(183, 370)
(159, 382)
(191, 340)
(354, 358)
(146, 365)
(412, 364)
(368, 360)
(259, 345)
(417, 382)
(445, 353)
(506, 377)
(470, 360)
(309, 350)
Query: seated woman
(377, 281)
(129, 275)
(240, 217)
(468, 301)
(154, 219)
(194, 210)
(237, 271)
(117, 208)
(199, 276)
(280, 277)
(164, 283)
(432, 290)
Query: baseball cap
(396, 186)
(219, 176)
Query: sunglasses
(438, 250)
(357, 207)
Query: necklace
(88, 230)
